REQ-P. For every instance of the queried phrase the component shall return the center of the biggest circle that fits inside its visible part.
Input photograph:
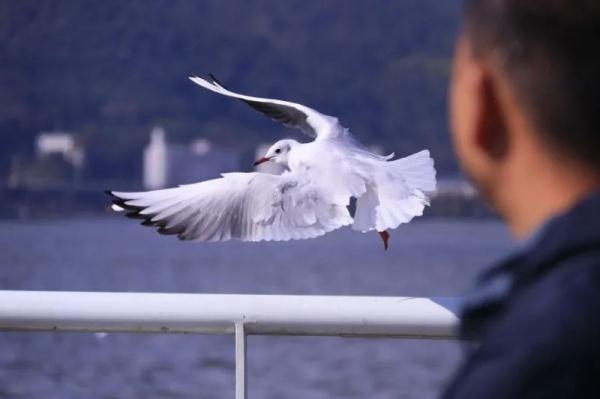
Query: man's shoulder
(557, 296)
(535, 317)
(554, 281)
(542, 342)
(563, 303)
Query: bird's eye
(277, 151)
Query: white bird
(309, 199)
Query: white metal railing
(347, 316)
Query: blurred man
(525, 110)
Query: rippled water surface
(426, 258)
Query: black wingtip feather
(136, 215)
(167, 232)
(215, 80)
(121, 202)
(134, 212)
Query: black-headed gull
(308, 200)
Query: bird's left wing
(289, 113)
(243, 206)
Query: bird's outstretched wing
(243, 206)
(290, 114)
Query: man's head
(526, 89)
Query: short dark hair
(549, 50)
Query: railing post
(240, 361)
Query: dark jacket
(532, 326)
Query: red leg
(385, 236)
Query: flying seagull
(309, 199)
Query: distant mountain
(110, 70)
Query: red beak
(261, 160)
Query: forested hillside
(110, 70)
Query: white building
(173, 164)
(62, 143)
(155, 160)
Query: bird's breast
(304, 157)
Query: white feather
(397, 193)
(244, 206)
(323, 126)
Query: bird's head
(278, 152)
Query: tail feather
(417, 170)
(397, 194)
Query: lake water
(426, 258)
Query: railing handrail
(217, 313)
(351, 316)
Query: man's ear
(490, 131)
(478, 117)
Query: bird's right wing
(244, 206)
(291, 114)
